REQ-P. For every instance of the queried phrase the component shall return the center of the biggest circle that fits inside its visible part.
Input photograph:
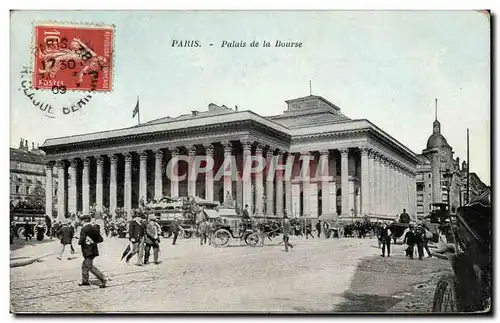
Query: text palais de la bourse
(238, 44)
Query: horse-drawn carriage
(469, 288)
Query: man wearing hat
(287, 230)
(90, 236)
(66, 237)
(136, 237)
(151, 239)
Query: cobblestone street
(346, 275)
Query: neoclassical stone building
(371, 173)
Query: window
(429, 175)
(429, 185)
(17, 189)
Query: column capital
(49, 165)
(60, 163)
(191, 150)
(259, 149)
(290, 158)
(247, 144)
(209, 149)
(228, 146)
(128, 157)
(324, 152)
(344, 152)
(113, 159)
(174, 151)
(158, 153)
(86, 161)
(365, 151)
(143, 155)
(73, 162)
(99, 160)
(270, 153)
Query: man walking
(203, 232)
(152, 240)
(409, 239)
(67, 234)
(175, 230)
(287, 230)
(318, 228)
(385, 238)
(89, 238)
(309, 230)
(136, 236)
(404, 217)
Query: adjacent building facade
(27, 174)
(371, 173)
(437, 160)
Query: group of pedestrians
(144, 235)
(417, 236)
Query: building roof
(423, 159)
(25, 156)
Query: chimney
(194, 113)
(236, 108)
(21, 143)
(26, 146)
(32, 145)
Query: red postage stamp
(71, 57)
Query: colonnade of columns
(387, 186)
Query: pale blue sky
(385, 66)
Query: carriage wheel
(445, 296)
(252, 239)
(221, 238)
(166, 234)
(187, 234)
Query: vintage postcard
(250, 162)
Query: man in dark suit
(90, 236)
(287, 231)
(175, 230)
(67, 234)
(136, 237)
(151, 239)
(385, 239)
(410, 240)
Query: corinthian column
(49, 190)
(86, 186)
(128, 185)
(325, 183)
(378, 184)
(280, 176)
(112, 185)
(143, 180)
(191, 174)
(99, 185)
(306, 183)
(270, 183)
(227, 179)
(61, 190)
(259, 185)
(365, 182)
(344, 180)
(158, 172)
(174, 181)
(371, 192)
(247, 177)
(72, 191)
(209, 175)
